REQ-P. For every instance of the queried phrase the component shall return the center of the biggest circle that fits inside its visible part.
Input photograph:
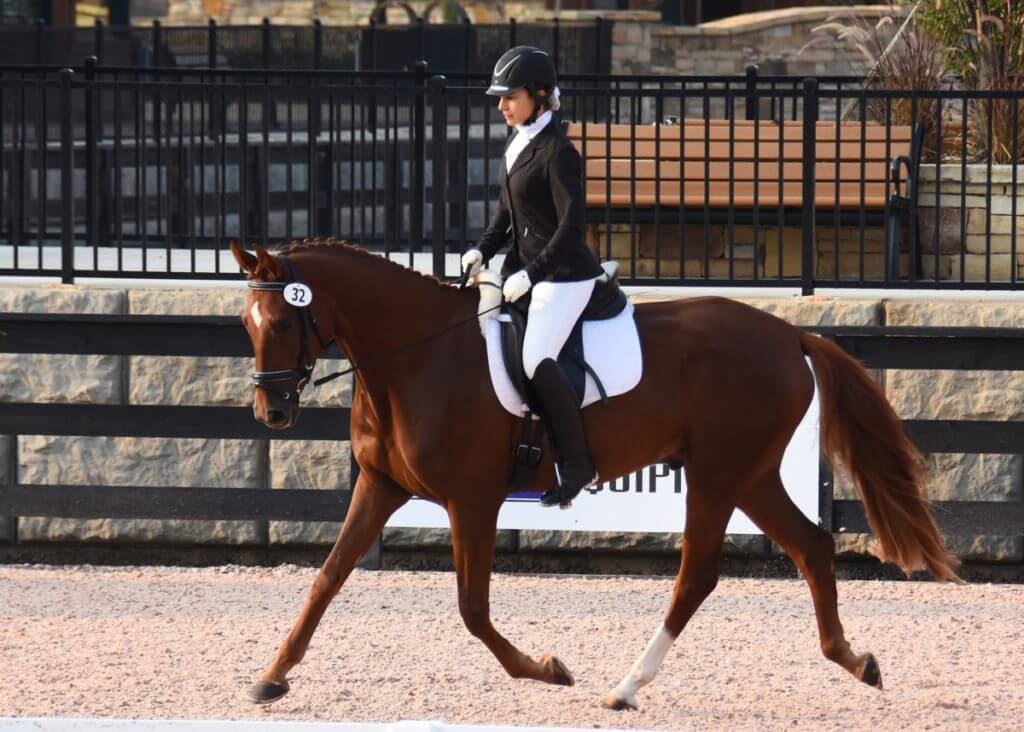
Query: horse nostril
(275, 415)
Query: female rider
(541, 215)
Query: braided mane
(330, 245)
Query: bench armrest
(894, 172)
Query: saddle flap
(513, 319)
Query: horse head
(289, 328)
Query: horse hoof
(265, 692)
(870, 674)
(557, 671)
(613, 702)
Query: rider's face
(516, 107)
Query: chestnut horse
(425, 422)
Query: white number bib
(297, 294)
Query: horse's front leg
(473, 534)
(374, 498)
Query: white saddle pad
(611, 347)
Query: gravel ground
(185, 643)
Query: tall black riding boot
(575, 467)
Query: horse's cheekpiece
(299, 296)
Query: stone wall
(280, 465)
(330, 12)
(777, 40)
(980, 204)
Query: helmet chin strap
(538, 109)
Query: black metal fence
(576, 47)
(877, 347)
(752, 180)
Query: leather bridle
(307, 322)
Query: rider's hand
(517, 285)
(471, 261)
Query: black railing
(751, 180)
(576, 46)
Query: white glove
(471, 261)
(516, 286)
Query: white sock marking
(645, 668)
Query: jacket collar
(540, 138)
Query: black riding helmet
(522, 67)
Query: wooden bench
(742, 172)
(721, 164)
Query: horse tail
(860, 428)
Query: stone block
(722, 268)
(817, 310)
(849, 240)
(408, 539)
(970, 548)
(61, 378)
(536, 540)
(792, 252)
(984, 395)
(141, 462)
(979, 221)
(316, 464)
(946, 236)
(980, 267)
(668, 239)
(852, 266)
(995, 243)
(976, 173)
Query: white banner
(650, 500)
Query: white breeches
(554, 309)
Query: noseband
(302, 373)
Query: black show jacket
(541, 212)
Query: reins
(404, 346)
(305, 370)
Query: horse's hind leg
(706, 518)
(812, 549)
(374, 499)
(473, 535)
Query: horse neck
(380, 306)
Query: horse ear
(267, 265)
(245, 260)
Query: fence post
(211, 44)
(753, 107)
(373, 44)
(156, 43)
(467, 32)
(91, 118)
(417, 188)
(98, 40)
(439, 172)
(512, 32)
(556, 45)
(810, 103)
(265, 42)
(40, 29)
(67, 199)
(318, 44)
